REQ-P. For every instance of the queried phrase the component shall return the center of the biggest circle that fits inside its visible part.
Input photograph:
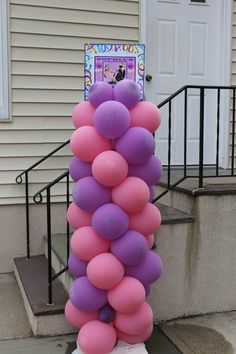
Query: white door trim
(225, 76)
(225, 64)
(143, 21)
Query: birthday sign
(112, 63)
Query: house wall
(233, 72)
(46, 79)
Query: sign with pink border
(113, 63)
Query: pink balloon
(86, 143)
(146, 115)
(109, 168)
(82, 114)
(77, 217)
(127, 296)
(134, 339)
(85, 244)
(105, 271)
(76, 317)
(150, 241)
(131, 195)
(97, 337)
(146, 221)
(135, 323)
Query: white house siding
(46, 56)
(233, 71)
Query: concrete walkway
(208, 334)
(13, 319)
(47, 345)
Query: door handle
(148, 77)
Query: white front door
(183, 44)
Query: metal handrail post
(27, 215)
(169, 145)
(201, 137)
(185, 129)
(67, 223)
(49, 239)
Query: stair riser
(177, 199)
(199, 262)
(167, 297)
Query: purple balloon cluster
(114, 169)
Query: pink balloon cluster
(114, 221)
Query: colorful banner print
(113, 63)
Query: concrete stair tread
(172, 215)
(33, 275)
(211, 186)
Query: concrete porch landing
(208, 334)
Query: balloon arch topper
(112, 63)
(114, 169)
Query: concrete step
(183, 196)
(176, 199)
(31, 275)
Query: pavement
(46, 345)
(207, 334)
(13, 318)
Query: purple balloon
(147, 288)
(150, 171)
(87, 297)
(79, 169)
(148, 271)
(111, 119)
(107, 314)
(88, 194)
(131, 248)
(100, 92)
(136, 145)
(110, 221)
(77, 267)
(127, 92)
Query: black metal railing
(38, 198)
(19, 180)
(214, 166)
(169, 168)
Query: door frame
(225, 66)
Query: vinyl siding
(233, 82)
(46, 57)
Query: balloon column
(113, 218)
